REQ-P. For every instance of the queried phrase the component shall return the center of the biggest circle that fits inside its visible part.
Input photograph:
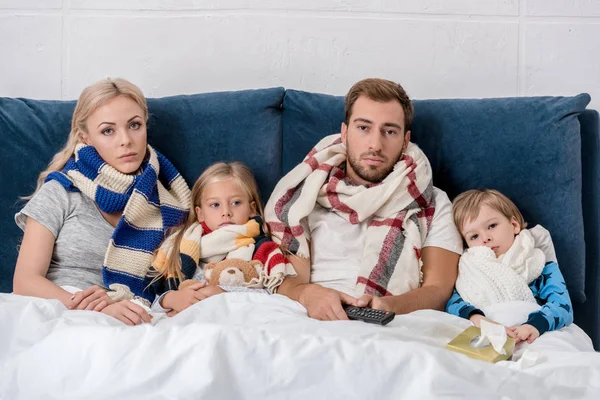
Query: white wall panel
(563, 59)
(30, 48)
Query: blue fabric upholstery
(587, 314)
(31, 132)
(532, 149)
(192, 131)
(198, 130)
(506, 144)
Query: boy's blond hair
(466, 206)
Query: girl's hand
(93, 298)
(179, 300)
(525, 332)
(209, 291)
(127, 312)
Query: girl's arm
(33, 263)
(551, 292)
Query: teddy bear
(230, 272)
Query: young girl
(225, 222)
(89, 224)
(504, 264)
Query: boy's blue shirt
(550, 292)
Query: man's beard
(371, 174)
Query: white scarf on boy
(484, 280)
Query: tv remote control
(370, 315)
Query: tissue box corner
(462, 344)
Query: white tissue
(493, 334)
(528, 358)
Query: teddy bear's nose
(230, 271)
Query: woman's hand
(93, 298)
(127, 312)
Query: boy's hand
(476, 320)
(525, 332)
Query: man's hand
(127, 312)
(93, 298)
(325, 304)
(378, 303)
(525, 332)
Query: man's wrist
(302, 290)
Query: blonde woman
(100, 209)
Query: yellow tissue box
(462, 344)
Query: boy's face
(492, 229)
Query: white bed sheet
(256, 346)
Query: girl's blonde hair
(217, 172)
(466, 206)
(91, 98)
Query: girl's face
(225, 203)
(117, 130)
(492, 229)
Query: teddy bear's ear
(208, 270)
(258, 266)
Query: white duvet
(256, 346)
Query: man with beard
(362, 217)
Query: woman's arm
(33, 263)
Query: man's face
(375, 139)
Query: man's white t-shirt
(337, 245)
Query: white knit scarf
(198, 248)
(400, 209)
(484, 280)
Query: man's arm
(293, 287)
(320, 303)
(440, 268)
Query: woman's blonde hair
(466, 206)
(91, 98)
(217, 172)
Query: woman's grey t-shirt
(82, 234)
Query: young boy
(503, 264)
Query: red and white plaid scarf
(399, 211)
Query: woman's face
(117, 130)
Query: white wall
(51, 49)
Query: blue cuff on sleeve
(538, 321)
(466, 312)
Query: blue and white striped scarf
(153, 200)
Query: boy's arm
(551, 291)
(457, 306)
